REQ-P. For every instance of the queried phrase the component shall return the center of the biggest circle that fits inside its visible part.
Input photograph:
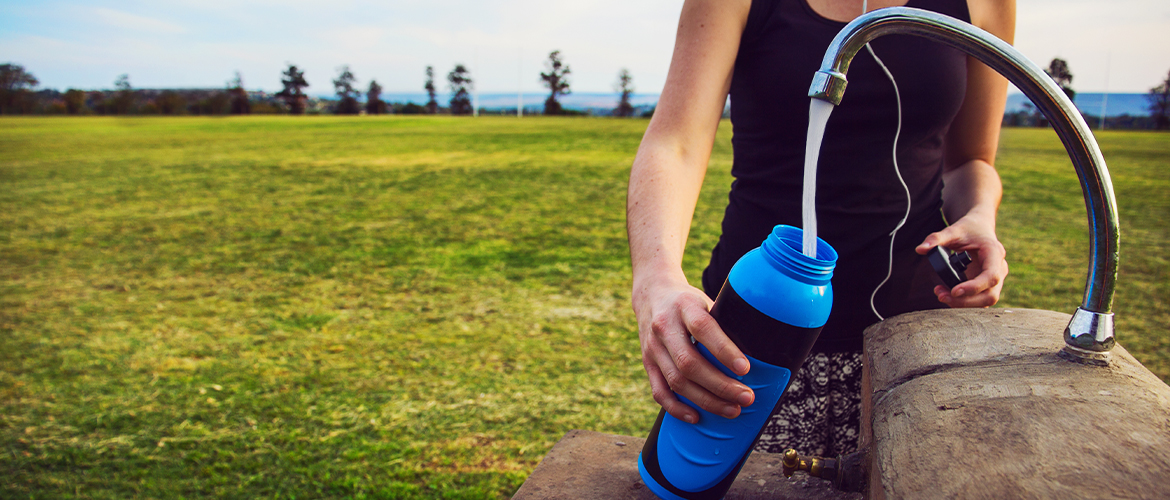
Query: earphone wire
(898, 171)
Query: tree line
(17, 95)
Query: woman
(763, 53)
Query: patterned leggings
(821, 412)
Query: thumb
(943, 238)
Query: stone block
(977, 403)
(587, 465)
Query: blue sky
(202, 43)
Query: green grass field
(392, 307)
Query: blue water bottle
(773, 305)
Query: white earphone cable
(897, 133)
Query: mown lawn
(388, 307)
(1044, 227)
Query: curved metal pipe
(1091, 328)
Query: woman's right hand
(669, 314)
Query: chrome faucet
(1090, 333)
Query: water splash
(818, 116)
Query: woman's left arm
(972, 188)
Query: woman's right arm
(664, 187)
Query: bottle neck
(782, 248)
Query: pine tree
(347, 103)
(432, 104)
(293, 93)
(461, 84)
(557, 81)
(1059, 72)
(625, 87)
(374, 104)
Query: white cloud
(128, 21)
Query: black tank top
(859, 198)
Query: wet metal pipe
(1091, 328)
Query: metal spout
(1091, 328)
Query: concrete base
(586, 465)
(977, 403)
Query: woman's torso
(859, 197)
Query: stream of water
(818, 116)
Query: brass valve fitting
(847, 472)
(824, 468)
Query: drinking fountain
(1090, 332)
(933, 380)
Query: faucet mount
(1090, 332)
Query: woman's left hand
(988, 266)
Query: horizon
(1119, 103)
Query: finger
(689, 374)
(704, 384)
(975, 286)
(708, 332)
(991, 268)
(683, 386)
(984, 298)
(660, 390)
(944, 294)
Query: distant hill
(1090, 103)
